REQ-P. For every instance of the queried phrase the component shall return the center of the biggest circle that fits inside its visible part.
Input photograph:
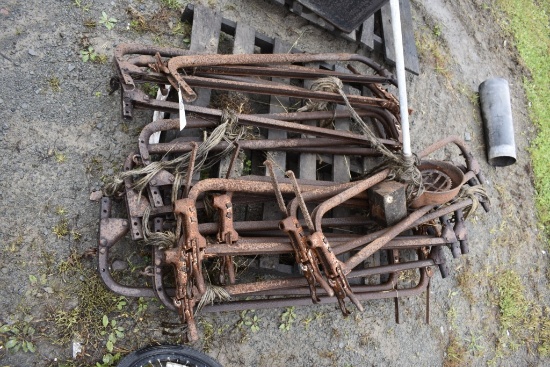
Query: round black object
(168, 356)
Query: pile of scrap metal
(204, 254)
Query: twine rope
(403, 168)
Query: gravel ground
(61, 135)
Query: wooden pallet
(374, 34)
(207, 27)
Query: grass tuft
(529, 22)
(456, 353)
(520, 320)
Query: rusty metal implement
(213, 239)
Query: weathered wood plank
(308, 161)
(367, 33)
(407, 31)
(205, 36)
(409, 44)
(277, 104)
(243, 44)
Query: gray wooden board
(340, 166)
(308, 161)
(205, 35)
(407, 31)
(367, 33)
(271, 211)
(243, 44)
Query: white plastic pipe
(401, 81)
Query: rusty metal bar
(181, 62)
(305, 301)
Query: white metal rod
(401, 81)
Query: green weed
(107, 21)
(474, 344)
(88, 54)
(247, 166)
(60, 157)
(287, 319)
(150, 89)
(250, 321)
(137, 20)
(171, 4)
(53, 82)
(18, 336)
(91, 320)
(182, 29)
(109, 360)
(61, 229)
(111, 329)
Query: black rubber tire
(168, 353)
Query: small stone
(142, 7)
(99, 126)
(110, 172)
(77, 349)
(32, 52)
(96, 195)
(24, 106)
(467, 136)
(341, 345)
(1, 101)
(38, 91)
(48, 290)
(119, 265)
(71, 67)
(5, 270)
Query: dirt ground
(61, 135)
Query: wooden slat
(308, 161)
(205, 36)
(244, 39)
(367, 33)
(243, 44)
(341, 164)
(205, 33)
(409, 46)
(277, 104)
